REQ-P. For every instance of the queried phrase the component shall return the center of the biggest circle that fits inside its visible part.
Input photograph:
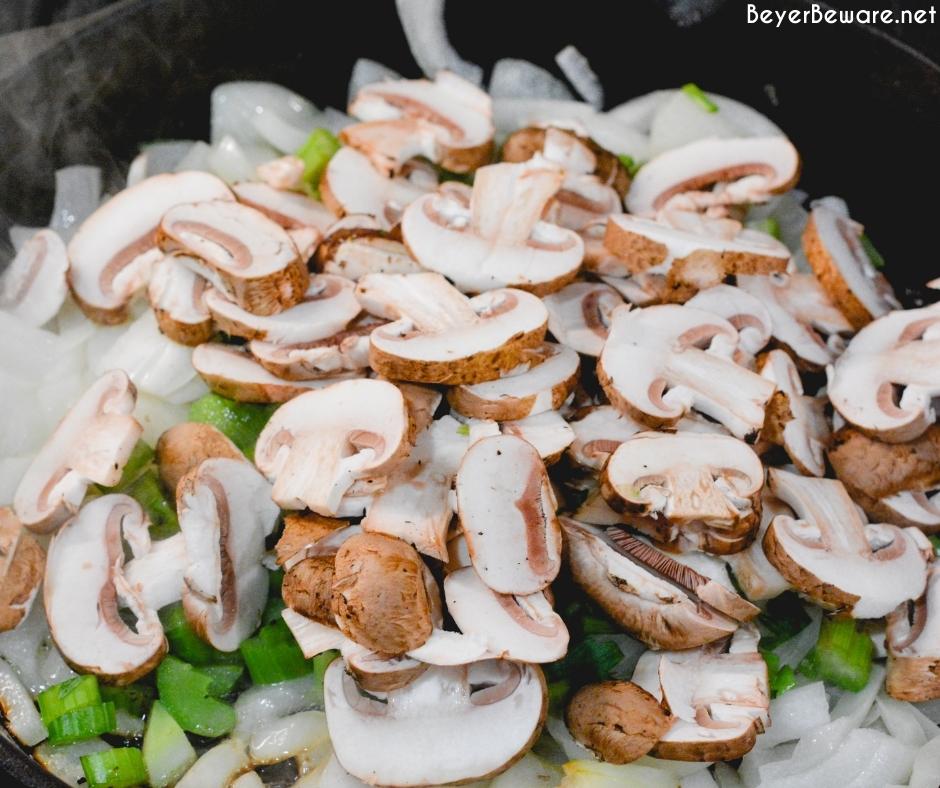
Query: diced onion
(216, 767)
(20, 712)
(423, 23)
(512, 78)
(576, 68)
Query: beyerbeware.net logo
(818, 14)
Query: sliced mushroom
(744, 311)
(660, 362)
(617, 720)
(156, 576)
(183, 447)
(579, 315)
(344, 351)
(232, 372)
(548, 433)
(225, 512)
(793, 420)
(327, 307)
(285, 172)
(753, 573)
(33, 286)
(803, 319)
(289, 209)
(177, 296)
(658, 600)
(90, 445)
(351, 184)
(511, 626)
(440, 336)
(303, 529)
(85, 585)
(111, 255)
(377, 672)
(380, 597)
(22, 560)
(448, 120)
(718, 697)
(319, 443)
(914, 509)
(307, 550)
(499, 240)
(834, 558)
(833, 246)
(356, 245)
(701, 488)
(741, 170)
(599, 430)
(494, 712)
(507, 508)
(241, 251)
(887, 378)
(913, 641)
(541, 383)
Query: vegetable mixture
(472, 437)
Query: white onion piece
(196, 159)
(278, 740)
(233, 161)
(794, 713)
(638, 112)
(77, 196)
(617, 137)
(792, 651)
(217, 767)
(572, 748)
(258, 113)
(329, 775)
(265, 702)
(681, 120)
(248, 780)
(368, 72)
(900, 721)
(335, 121)
(64, 761)
(22, 717)
(926, 765)
(701, 779)
(512, 78)
(423, 23)
(19, 235)
(727, 776)
(11, 471)
(790, 214)
(26, 352)
(30, 651)
(157, 415)
(576, 68)
(158, 158)
(585, 771)
(529, 771)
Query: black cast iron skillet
(862, 108)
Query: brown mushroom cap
(913, 643)
(617, 720)
(22, 561)
(177, 297)
(302, 529)
(380, 599)
(308, 588)
(184, 446)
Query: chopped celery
(241, 422)
(166, 750)
(135, 699)
(769, 225)
(842, 655)
(935, 541)
(629, 163)
(316, 153)
(697, 95)
(147, 490)
(120, 767)
(184, 691)
(273, 655)
(81, 724)
(74, 693)
(186, 644)
(224, 678)
(873, 254)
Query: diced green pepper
(147, 490)
(135, 699)
(184, 691)
(842, 655)
(186, 644)
(697, 95)
(241, 422)
(316, 153)
(273, 655)
(630, 164)
(224, 678)
(873, 254)
(769, 225)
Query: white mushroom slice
(913, 641)
(913, 509)
(595, 510)
(22, 560)
(378, 672)
(285, 172)
(803, 319)
(350, 184)
(541, 383)
(744, 311)
(795, 421)
(753, 573)
(306, 239)
(832, 243)
(448, 725)
(745, 170)
(85, 585)
(343, 351)
(319, 443)
(225, 512)
(313, 637)
(156, 577)
(887, 378)
(289, 209)
(33, 286)
(692, 259)
(241, 251)
(441, 336)
(416, 504)
(113, 251)
(232, 372)
(507, 508)
(354, 251)
(512, 627)
(660, 362)
(598, 433)
(581, 201)
(499, 240)
(447, 120)
(327, 307)
(177, 296)
(830, 555)
(90, 445)
(579, 315)
(658, 600)
(700, 486)
(548, 433)
(719, 700)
